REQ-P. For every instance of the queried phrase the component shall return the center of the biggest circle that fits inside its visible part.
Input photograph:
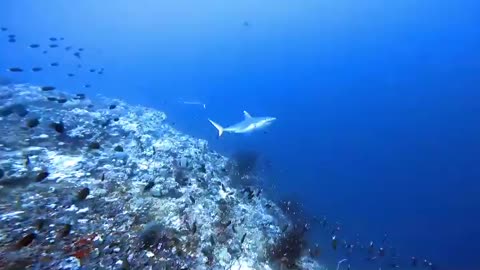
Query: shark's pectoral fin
(247, 115)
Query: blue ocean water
(376, 103)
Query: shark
(248, 124)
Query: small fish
(94, 145)
(15, 69)
(234, 229)
(413, 261)
(259, 192)
(27, 160)
(70, 74)
(25, 241)
(47, 88)
(212, 240)
(113, 106)
(87, 85)
(53, 39)
(381, 252)
(149, 186)
(246, 23)
(285, 228)
(51, 98)
(54, 64)
(39, 223)
(12, 40)
(45, 52)
(334, 242)
(194, 227)
(251, 195)
(195, 103)
(80, 49)
(68, 48)
(77, 54)
(12, 36)
(36, 69)
(227, 224)
(65, 231)
(192, 199)
(83, 193)
(41, 176)
(53, 46)
(32, 122)
(62, 100)
(103, 177)
(59, 127)
(3, 29)
(92, 70)
(34, 46)
(223, 187)
(243, 238)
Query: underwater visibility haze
(240, 134)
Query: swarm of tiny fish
(99, 184)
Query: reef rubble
(100, 184)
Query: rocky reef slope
(100, 184)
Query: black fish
(27, 160)
(194, 227)
(12, 40)
(2, 173)
(59, 127)
(212, 240)
(80, 49)
(334, 242)
(223, 187)
(15, 69)
(34, 46)
(233, 228)
(113, 106)
(41, 176)
(11, 36)
(36, 69)
(39, 223)
(149, 186)
(76, 54)
(192, 199)
(51, 98)
(53, 39)
(68, 48)
(83, 193)
(94, 145)
(47, 88)
(103, 177)
(54, 64)
(70, 74)
(92, 70)
(3, 29)
(45, 52)
(65, 231)
(116, 119)
(33, 122)
(228, 224)
(25, 241)
(62, 100)
(53, 46)
(118, 148)
(87, 85)
(243, 238)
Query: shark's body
(248, 124)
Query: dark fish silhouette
(77, 54)
(53, 39)
(92, 70)
(41, 176)
(70, 74)
(34, 46)
(45, 52)
(62, 100)
(334, 242)
(15, 69)
(33, 122)
(36, 69)
(194, 227)
(58, 127)
(149, 186)
(53, 45)
(83, 193)
(87, 85)
(192, 199)
(68, 48)
(25, 241)
(47, 88)
(54, 64)
(243, 238)
(3, 29)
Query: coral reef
(99, 184)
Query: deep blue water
(377, 103)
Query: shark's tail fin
(217, 126)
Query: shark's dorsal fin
(247, 115)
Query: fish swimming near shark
(249, 124)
